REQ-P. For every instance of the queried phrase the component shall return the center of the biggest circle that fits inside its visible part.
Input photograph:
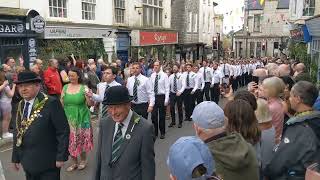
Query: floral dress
(78, 114)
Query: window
(258, 50)
(195, 22)
(89, 9)
(276, 45)
(152, 12)
(58, 8)
(190, 22)
(120, 9)
(256, 23)
(308, 7)
(252, 48)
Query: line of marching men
(187, 85)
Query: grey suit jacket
(136, 161)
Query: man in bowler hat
(41, 135)
(125, 143)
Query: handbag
(313, 172)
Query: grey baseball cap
(208, 115)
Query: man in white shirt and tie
(206, 73)
(175, 81)
(108, 76)
(217, 77)
(199, 85)
(160, 85)
(188, 84)
(140, 89)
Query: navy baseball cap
(186, 154)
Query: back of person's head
(242, 119)
(247, 96)
(284, 70)
(272, 69)
(274, 86)
(190, 158)
(306, 92)
(300, 67)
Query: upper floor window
(89, 9)
(308, 7)
(58, 8)
(257, 22)
(120, 9)
(152, 12)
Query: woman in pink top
(271, 89)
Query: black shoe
(162, 136)
(171, 125)
(180, 126)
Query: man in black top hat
(125, 142)
(41, 135)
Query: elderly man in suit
(41, 135)
(126, 145)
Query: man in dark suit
(41, 135)
(126, 145)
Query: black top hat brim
(36, 80)
(117, 103)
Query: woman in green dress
(75, 104)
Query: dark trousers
(176, 100)
(141, 109)
(198, 96)
(242, 80)
(188, 100)
(53, 174)
(215, 93)
(235, 83)
(206, 91)
(159, 115)
(246, 79)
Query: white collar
(31, 101)
(127, 120)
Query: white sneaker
(7, 135)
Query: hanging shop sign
(64, 32)
(301, 34)
(38, 24)
(158, 38)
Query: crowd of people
(270, 130)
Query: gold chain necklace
(25, 123)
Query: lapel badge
(286, 140)
(128, 136)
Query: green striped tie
(118, 139)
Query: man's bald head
(273, 69)
(262, 73)
(284, 70)
(300, 68)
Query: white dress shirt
(102, 89)
(208, 73)
(225, 69)
(125, 125)
(217, 76)
(179, 82)
(30, 106)
(199, 82)
(192, 76)
(163, 84)
(244, 69)
(145, 91)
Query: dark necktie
(104, 107)
(188, 80)
(175, 83)
(135, 90)
(156, 81)
(26, 110)
(204, 74)
(118, 139)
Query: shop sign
(32, 51)
(158, 38)
(11, 28)
(38, 24)
(62, 32)
(301, 34)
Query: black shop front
(19, 31)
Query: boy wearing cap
(235, 159)
(199, 163)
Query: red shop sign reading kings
(158, 38)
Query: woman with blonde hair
(272, 88)
(268, 132)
